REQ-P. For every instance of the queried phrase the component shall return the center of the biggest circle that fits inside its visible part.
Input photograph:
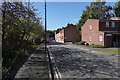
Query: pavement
(36, 66)
(71, 61)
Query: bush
(96, 46)
(11, 56)
(81, 43)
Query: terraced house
(67, 34)
(102, 32)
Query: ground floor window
(90, 38)
(100, 38)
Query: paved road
(70, 61)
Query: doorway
(116, 41)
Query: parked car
(47, 41)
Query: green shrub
(12, 55)
(96, 46)
(81, 43)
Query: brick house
(102, 32)
(67, 34)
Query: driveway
(70, 61)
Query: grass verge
(110, 50)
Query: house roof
(111, 19)
(58, 30)
(115, 18)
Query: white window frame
(100, 38)
(90, 38)
(90, 26)
(113, 24)
(107, 24)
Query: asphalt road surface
(70, 61)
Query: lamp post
(45, 27)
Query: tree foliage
(96, 10)
(51, 33)
(19, 20)
(116, 9)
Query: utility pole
(45, 27)
(28, 28)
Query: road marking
(57, 72)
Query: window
(107, 24)
(90, 38)
(113, 24)
(100, 38)
(90, 26)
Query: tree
(51, 33)
(15, 25)
(84, 17)
(97, 10)
(116, 9)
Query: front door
(116, 41)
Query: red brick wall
(71, 33)
(94, 32)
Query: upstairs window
(113, 24)
(107, 24)
(90, 38)
(90, 26)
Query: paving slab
(36, 67)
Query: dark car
(47, 41)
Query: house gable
(90, 32)
(71, 33)
(94, 23)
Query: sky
(59, 14)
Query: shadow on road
(81, 63)
(55, 43)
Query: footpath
(36, 66)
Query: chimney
(71, 24)
(68, 24)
